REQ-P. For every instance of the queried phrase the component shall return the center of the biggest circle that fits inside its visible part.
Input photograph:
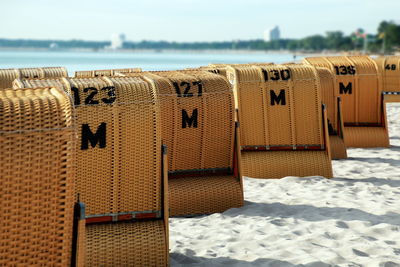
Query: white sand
(351, 220)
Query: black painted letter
(98, 137)
(278, 99)
(189, 121)
(345, 89)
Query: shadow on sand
(312, 213)
(178, 259)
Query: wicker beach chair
(7, 76)
(359, 84)
(283, 125)
(120, 169)
(333, 104)
(389, 68)
(221, 68)
(37, 138)
(100, 73)
(199, 129)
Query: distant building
(117, 41)
(273, 34)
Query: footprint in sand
(278, 222)
(341, 224)
(389, 264)
(360, 253)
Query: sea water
(172, 60)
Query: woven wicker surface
(54, 72)
(127, 152)
(37, 178)
(338, 147)
(100, 73)
(7, 76)
(363, 104)
(392, 98)
(278, 164)
(280, 106)
(329, 96)
(389, 68)
(123, 174)
(126, 244)
(268, 123)
(221, 68)
(209, 144)
(103, 182)
(198, 128)
(366, 137)
(202, 195)
(81, 244)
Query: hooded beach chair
(100, 73)
(283, 125)
(328, 96)
(37, 139)
(199, 129)
(7, 76)
(333, 104)
(359, 84)
(389, 68)
(121, 169)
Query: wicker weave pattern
(202, 195)
(278, 164)
(103, 171)
(367, 137)
(196, 148)
(265, 124)
(125, 174)
(101, 73)
(7, 76)
(55, 72)
(211, 142)
(126, 244)
(338, 147)
(389, 68)
(329, 95)
(37, 179)
(363, 105)
(280, 107)
(330, 99)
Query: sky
(189, 20)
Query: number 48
(390, 67)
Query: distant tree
(314, 42)
(389, 33)
(334, 40)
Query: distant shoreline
(189, 51)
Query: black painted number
(91, 93)
(185, 87)
(276, 75)
(345, 70)
(390, 67)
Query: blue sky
(189, 20)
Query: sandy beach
(350, 220)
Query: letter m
(94, 138)
(189, 121)
(345, 89)
(278, 99)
